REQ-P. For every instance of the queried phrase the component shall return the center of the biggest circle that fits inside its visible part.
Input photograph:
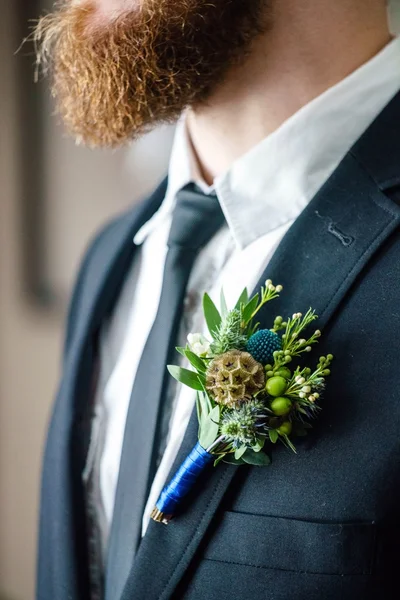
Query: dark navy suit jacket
(322, 524)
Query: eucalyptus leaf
(204, 407)
(206, 396)
(257, 459)
(209, 428)
(250, 308)
(189, 378)
(211, 314)
(240, 451)
(243, 299)
(259, 445)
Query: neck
(309, 47)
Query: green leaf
(206, 396)
(199, 409)
(252, 330)
(243, 299)
(273, 435)
(259, 445)
(195, 361)
(181, 350)
(286, 440)
(189, 378)
(202, 379)
(211, 314)
(224, 308)
(250, 308)
(258, 459)
(204, 407)
(240, 451)
(218, 460)
(228, 458)
(210, 428)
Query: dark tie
(195, 221)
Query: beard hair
(114, 81)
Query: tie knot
(196, 218)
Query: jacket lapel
(110, 258)
(64, 563)
(318, 261)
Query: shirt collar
(183, 169)
(272, 183)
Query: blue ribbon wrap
(182, 483)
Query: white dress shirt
(261, 195)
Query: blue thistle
(263, 344)
(244, 424)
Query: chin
(120, 67)
(108, 10)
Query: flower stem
(215, 444)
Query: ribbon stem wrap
(181, 484)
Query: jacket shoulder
(96, 259)
(88, 271)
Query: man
(290, 111)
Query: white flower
(198, 344)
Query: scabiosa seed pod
(263, 344)
(234, 377)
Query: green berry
(285, 428)
(276, 386)
(284, 372)
(281, 406)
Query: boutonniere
(249, 394)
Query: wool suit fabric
(323, 523)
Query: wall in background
(82, 190)
(29, 349)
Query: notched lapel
(317, 262)
(331, 242)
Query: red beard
(115, 79)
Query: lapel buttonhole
(346, 240)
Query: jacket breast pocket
(253, 556)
